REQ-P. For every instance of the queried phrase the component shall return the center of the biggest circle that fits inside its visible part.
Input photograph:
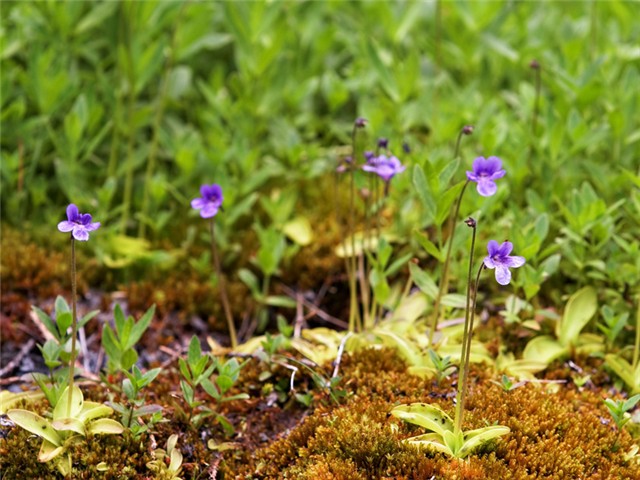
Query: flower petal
(489, 263)
(498, 174)
(479, 165)
(486, 187)
(503, 275)
(209, 210)
(72, 212)
(198, 203)
(66, 226)
(505, 249)
(84, 218)
(216, 192)
(80, 233)
(514, 262)
(492, 165)
(92, 226)
(492, 247)
(472, 176)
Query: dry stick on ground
(26, 348)
(318, 312)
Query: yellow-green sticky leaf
(102, 467)
(10, 399)
(474, 438)
(77, 402)
(49, 451)
(69, 424)
(106, 426)
(544, 349)
(92, 410)
(425, 415)
(34, 423)
(299, 231)
(580, 308)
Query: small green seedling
(507, 383)
(64, 431)
(56, 351)
(619, 408)
(443, 438)
(119, 344)
(443, 366)
(196, 371)
(136, 408)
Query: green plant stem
(74, 326)
(466, 340)
(536, 103)
(636, 350)
(444, 283)
(222, 286)
(128, 182)
(354, 314)
(456, 152)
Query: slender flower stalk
(636, 351)
(498, 258)
(468, 328)
(209, 205)
(222, 287)
(79, 224)
(484, 172)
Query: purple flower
(210, 202)
(79, 224)
(485, 171)
(385, 167)
(500, 259)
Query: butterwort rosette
(79, 224)
(500, 260)
(385, 167)
(485, 172)
(210, 202)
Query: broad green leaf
(428, 416)
(423, 190)
(423, 281)
(140, 327)
(405, 349)
(580, 308)
(34, 423)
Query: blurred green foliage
(125, 108)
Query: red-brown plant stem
(222, 287)
(74, 326)
(444, 283)
(463, 378)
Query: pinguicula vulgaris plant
(209, 204)
(485, 171)
(447, 435)
(384, 166)
(72, 418)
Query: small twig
(43, 330)
(299, 315)
(26, 348)
(318, 312)
(339, 356)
